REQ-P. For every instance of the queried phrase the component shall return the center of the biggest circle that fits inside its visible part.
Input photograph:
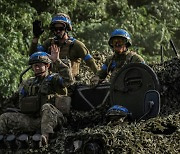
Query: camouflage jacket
(115, 62)
(72, 49)
(48, 87)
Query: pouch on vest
(63, 103)
(30, 104)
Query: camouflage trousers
(49, 118)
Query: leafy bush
(150, 23)
(14, 37)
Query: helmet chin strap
(63, 34)
(60, 37)
(38, 74)
(121, 52)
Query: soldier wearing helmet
(70, 47)
(39, 99)
(119, 41)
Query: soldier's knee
(50, 110)
(47, 106)
(5, 116)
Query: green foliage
(150, 23)
(14, 37)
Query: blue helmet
(61, 18)
(120, 33)
(40, 48)
(39, 57)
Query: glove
(37, 28)
(95, 81)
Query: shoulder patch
(50, 77)
(72, 39)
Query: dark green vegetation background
(150, 23)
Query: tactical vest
(115, 65)
(38, 95)
(65, 47)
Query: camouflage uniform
(115, 62)
(72, 49)
(46, 89)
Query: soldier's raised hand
(55, 50)
(37, 28)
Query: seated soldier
(37, 98)
(119, 41)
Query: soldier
(38, 98)
(70, 48)
(119, 41)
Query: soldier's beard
(60, 35)
(120, 49)
(120, 52)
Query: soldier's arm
(34, 44)
(64, 78)
(91, 63)
(104, 71)
(84, 54)
(137, 59)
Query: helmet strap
(60, 37)
(38, 74)
(63, 35)
(120, 52)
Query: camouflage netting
(156, 135)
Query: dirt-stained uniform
(115, 62)
(44, 91)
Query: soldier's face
(40, 69)
(119, 45)
(120, 49)
(59, 30)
